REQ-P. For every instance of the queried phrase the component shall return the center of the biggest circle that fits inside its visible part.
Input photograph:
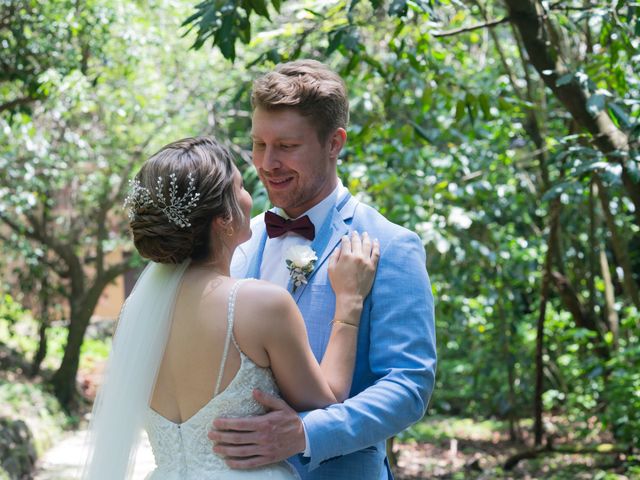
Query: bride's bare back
(192, 359)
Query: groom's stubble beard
(299, 196)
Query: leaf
(398, 8)
(590, 167)
(335, 40)
(351, 39)
(564, 79)
(353, 61)
(259, 59)
(471, 110)
(191, 19)
(595, 104)
(620, 115)
(557, 190)
(459, 110)
(209, 17)
(245, 30)
(421, 132)
(352, 5)
(225, 38)
(314, 13)
(470, 105)
(483, 100)
(415, 63)
(399, 28)
(274, 55)
(260, 8)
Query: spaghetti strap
(231, 306)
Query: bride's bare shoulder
(265, 293)
(264, 298)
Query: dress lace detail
(183, 451)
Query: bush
(17, 450)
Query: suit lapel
(329, 235)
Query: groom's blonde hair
(311, 88)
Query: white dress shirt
(273, 267)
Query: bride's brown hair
(211, 167)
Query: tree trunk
(391, 455)
(619, 248)
(64, 380)
(82, 307)
(613, 321)
(554, 221)
(506, 328)
(42, 347)
(42, 329)
(593, 248)
(583, 318)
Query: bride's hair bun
(159, 240)
(194, 178)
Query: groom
(300, 113)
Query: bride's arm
(351, 272)
(303, 383)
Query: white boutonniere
(300, 260)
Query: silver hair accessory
(175, 208)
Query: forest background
(504, 132)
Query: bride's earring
(229, 232)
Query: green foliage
(436, 428)
(621, 392)
(65, 165)
(11, 312)
(225, 22)
(94, 351)
(38, 37)
(37, 407)
(460, 141)
(18, 331)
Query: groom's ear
(336, 142)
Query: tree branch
(63, 250)
(15, 103)
(108, 275)
(567, 8)
(489, 24)
(513, 461)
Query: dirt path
(63, 462)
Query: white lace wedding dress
(184, 452)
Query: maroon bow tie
(277, 226)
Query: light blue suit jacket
(396, 358)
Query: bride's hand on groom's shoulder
(252, 442)
(352, 266)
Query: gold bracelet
(335, 320)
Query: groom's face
(297, 169)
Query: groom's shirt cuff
(307, 449)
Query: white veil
(132, 368)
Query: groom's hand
(251, 442)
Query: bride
(192, 343)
